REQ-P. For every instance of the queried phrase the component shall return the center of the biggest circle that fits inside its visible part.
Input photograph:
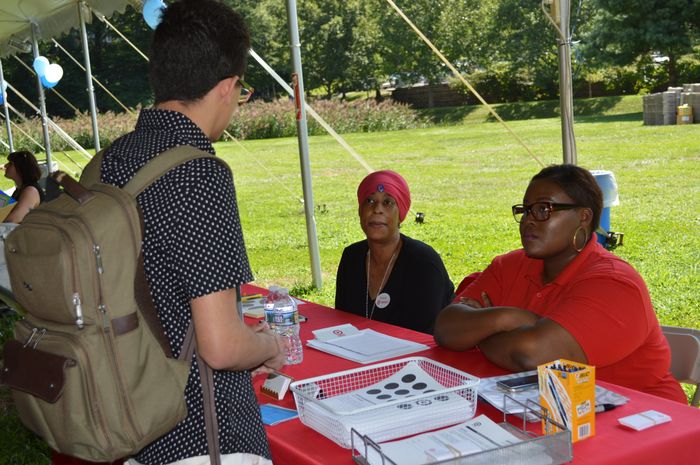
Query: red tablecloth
(292, 443)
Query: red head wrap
(390, 183)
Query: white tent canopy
(52, 17)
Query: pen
(604, 407)
(246, 298)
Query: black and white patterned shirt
(193, 246)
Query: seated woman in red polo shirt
(563, 295)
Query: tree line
(506, 48)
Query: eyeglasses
(246, 92)
(540, 211)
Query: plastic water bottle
(282, 316)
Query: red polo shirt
(602, 302)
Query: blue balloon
(40, 64)
(2, 98)
(46, 83)
(152, 10)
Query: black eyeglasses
(540, 211)
(246, 92)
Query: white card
(644, 420)
(276, 385)
(326, 334)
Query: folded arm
(462, 327)
(227, 343)
(528, 346)
(510, 337)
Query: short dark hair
(26, 165)
(197, 44)
(579, 184)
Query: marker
(246, 298)
(604, 407)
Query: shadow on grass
(513, 111)
(626, 117)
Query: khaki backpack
(90, 369)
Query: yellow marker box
(567, 391)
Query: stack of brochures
(361, 346)
(472, 437)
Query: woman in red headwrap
(388, 276)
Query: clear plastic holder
(556, 447)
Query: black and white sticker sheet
(406, 402)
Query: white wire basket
(387, 400)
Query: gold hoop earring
(585, 239)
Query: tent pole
(566, 98)
(302, 134)
(42, 100)
(7, 112)
(88, 75)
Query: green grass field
(464, 174)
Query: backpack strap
(92, 172)
(206, 377)
(161, 164)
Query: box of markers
(567, 391)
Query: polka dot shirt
(193, 246)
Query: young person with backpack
(194, 254)
(84, 330)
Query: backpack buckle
(35, 332)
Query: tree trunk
(672, 70)
(378, 95)
(96, 61)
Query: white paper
(366, 346)
(644, 420)
(366, 343)
(254, 307)
(333, 332)
(410, 381)
(415, 402)
(473, 436)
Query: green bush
(112, 125)
(502, 82)
(264, 120)
(256, 120)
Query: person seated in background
(388, 276)
(24, 170)
(563, 295)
